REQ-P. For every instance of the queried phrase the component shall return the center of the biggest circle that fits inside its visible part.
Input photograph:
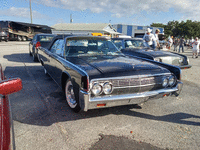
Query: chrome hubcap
(69, 92)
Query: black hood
(110, 66)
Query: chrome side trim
(74, 65)
(76, 68)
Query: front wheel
(72, 96)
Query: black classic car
(93, 73)
(39, 40)
(135, 47)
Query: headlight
(96, 89)
(165, 82)
(172, 80)
(157, 59)
(181, 60)
(107, 88)
(188, 60)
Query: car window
(54, 46)
(58, 47)
(118, 43)
(34, 38)
(134, 44)
(45, 38)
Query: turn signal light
(165, 95)
(101, 105)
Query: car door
(48, 64)
(56, 61)
(31, 44)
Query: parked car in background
(6, 127)
(3, 35)
(135, 47)
(94, 74)
(39, 40)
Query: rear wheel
(19, 38)
(35, 58)
(30, 51)
(72, 96)
(23, 38)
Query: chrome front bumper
(185, 66)
(86, 102)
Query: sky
(131, 12)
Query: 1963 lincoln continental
(94, 74)
(135, 47)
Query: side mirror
(10, 86)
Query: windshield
(134, 44)
(90, 46)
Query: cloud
(121, 8)
(21, 12)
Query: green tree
(187, 28)
(157, 25)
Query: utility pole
(71, 20)
(30, 11)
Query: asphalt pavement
(43, 121)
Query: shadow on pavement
(21, 57)
(111, 142)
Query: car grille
(133, 81)
(136, 85)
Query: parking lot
(43, 120)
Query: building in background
(96, 29)
(135, 30)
